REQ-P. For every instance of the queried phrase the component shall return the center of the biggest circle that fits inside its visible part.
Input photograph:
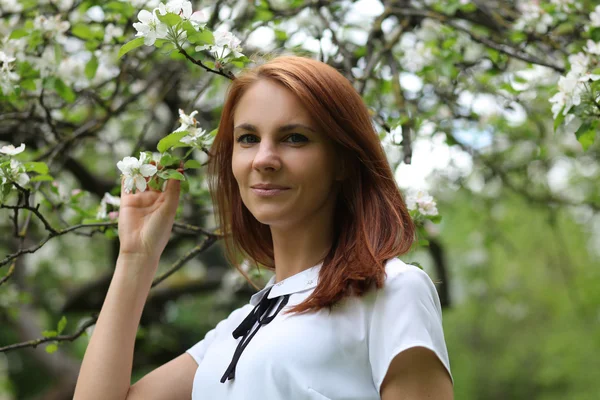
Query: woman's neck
(296, 250)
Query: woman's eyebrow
(284, 128)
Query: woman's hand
(146, 219)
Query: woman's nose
(266, 157)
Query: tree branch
(503, 48)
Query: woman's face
(277, 143)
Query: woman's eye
(298, 138)
(246, 139)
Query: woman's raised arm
(145, 222)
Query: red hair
(371, 221)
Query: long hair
(371, 222)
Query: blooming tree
(507, 91)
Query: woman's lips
(268, 192)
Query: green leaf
(595, 34)
(36, 166)
(416, 264)
(92, 45)
(167, 160)
(51, 348)
(49, 334)
(170, 140)
(110, 234)
(423, 242)
(192, 164)
(169, 18)
(83, 31)
(517, 36)
(28, 84)
(204, 37)
(436, 219)
(171, 174)
(64, 91)
(61, 324)
(185, 186)
(263, 14)
(91, 67)
(18, 33)
(281, 35)
(154, 184)
(119, 7)
(127, 47)
(586, 134)
(42, 178)
(559, 119)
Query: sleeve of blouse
(407, 313)
(225, 326)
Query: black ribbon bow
(258, 314)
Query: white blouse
(344, 354)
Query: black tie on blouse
(258, 314)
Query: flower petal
(140, 183)
(128, 184)
(148, 170)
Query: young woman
(302, 186)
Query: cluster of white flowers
(8, 78)
(566, 5)
(421, 201)
(415, 46)
(572, 85)
(108, 199)
(533, 16)
(226, 44)
(51, 25)
(197, 137)
(152, 28)
(11, 6)
(15, 172)
(136, 171)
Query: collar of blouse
(299, 282)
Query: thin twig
(220, 71)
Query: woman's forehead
(267, 103)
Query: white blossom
(571, 93)
(11, 6)
(533, 16)
(15, 173)
(135, 172)
(184, 10)
(196, 138)
(107, 199)
(593, 47)
(595, 17)
(186, 120)
(111, 31)
(8, 78)
(51, 25)
(421, 201)
(225, 44)
(11, 150)
(150, 27)
(588, 76)
(565, 5)
(579, 62)
(142, 3)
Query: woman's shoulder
(407, 282)
(400, 273)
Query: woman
(302, 186)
